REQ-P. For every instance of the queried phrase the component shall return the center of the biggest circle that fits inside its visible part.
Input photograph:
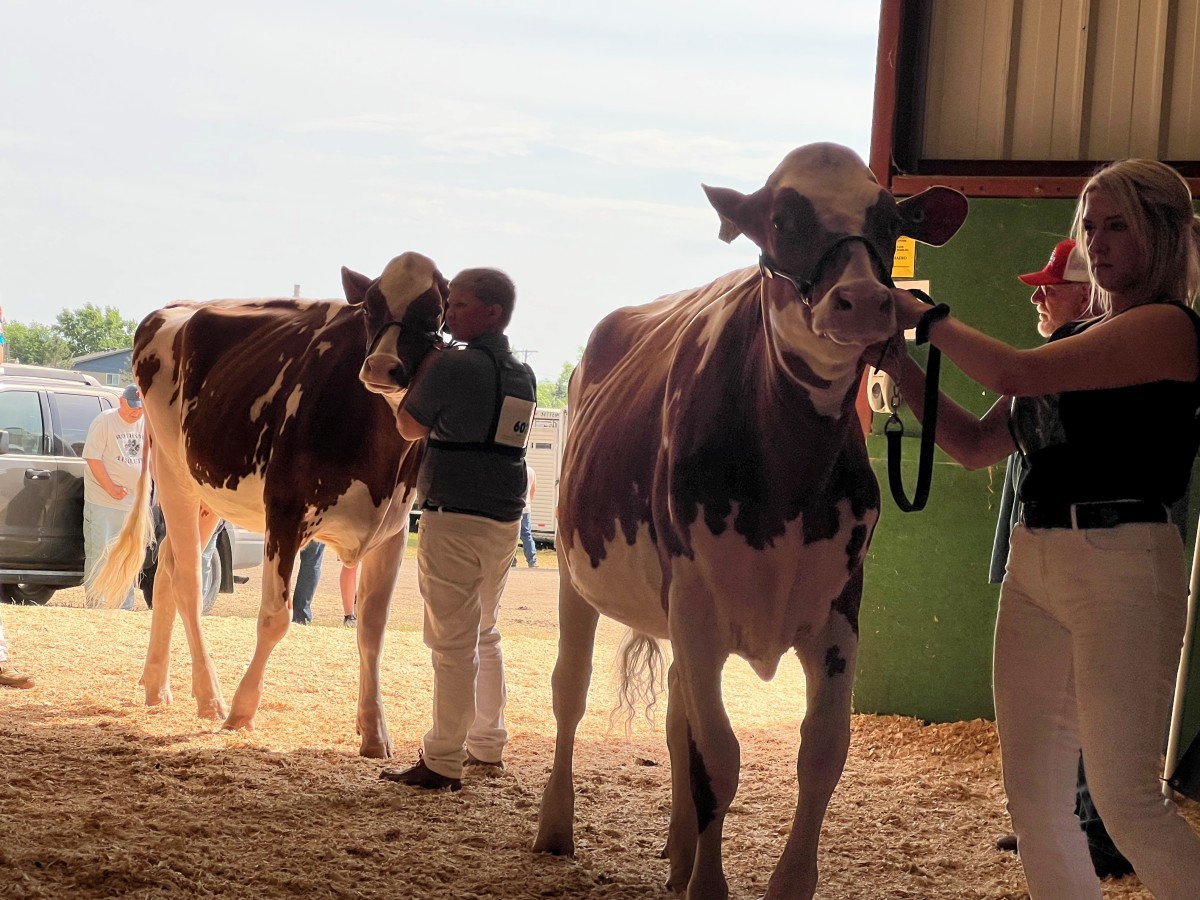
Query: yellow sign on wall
(904, 264)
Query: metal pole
(1181, 679)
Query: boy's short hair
(491, 287)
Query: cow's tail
(126, 554)
(641, 672)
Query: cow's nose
(379, 368)
(867, 298)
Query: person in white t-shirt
(113, 453)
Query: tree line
(553, 394)
(75, 332)
(90, 329)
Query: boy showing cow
(476, 405)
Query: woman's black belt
(467, 512)
(1098, 514)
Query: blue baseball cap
(132, 396)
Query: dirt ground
(102, 797)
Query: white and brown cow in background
(716, 492)
(280, 415)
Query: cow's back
(259, 397)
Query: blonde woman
(1093, 602)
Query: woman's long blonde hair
(1157, 205)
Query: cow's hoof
(213, 709)
(557, 844)
(160, 697)
(238, 723)
(376, 749)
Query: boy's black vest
(512, 418)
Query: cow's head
(402, 312)
(827, 232)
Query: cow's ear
(355, 286)
(728, 204)
(933, 216)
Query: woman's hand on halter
(908, 308)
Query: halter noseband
(804, 286)
(433, 338)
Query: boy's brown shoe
(12, 677)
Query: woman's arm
(971, 442)
(1153, 342)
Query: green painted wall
(928, 611)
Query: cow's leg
(274, 616)
(379, 570)
(572, 674)
(828, 660)
(189, 526)
(681, 834)
(156, 672)
(713, 754)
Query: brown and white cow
(280, 415)
(716, 492)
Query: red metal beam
(883, 124)
(996, 186)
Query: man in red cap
(1063, 292)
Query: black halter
(894, 428)
(804, 286)
(433, 338)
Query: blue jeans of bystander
(308, 573)
(527, 545)
(100, 526)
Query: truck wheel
(214, 585)
(39, 594)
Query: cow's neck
(823, 370)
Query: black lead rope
(894, 428)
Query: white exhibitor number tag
(516, 418)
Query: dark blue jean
(308, 573)
(527, 538)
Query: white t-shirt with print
(118, 444)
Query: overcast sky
(157, 151)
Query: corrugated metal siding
(968, 76)
(1049, 85)
(1182, 131)
(1063, 79)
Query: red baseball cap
(1066, 265)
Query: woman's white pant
(1088, 641)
